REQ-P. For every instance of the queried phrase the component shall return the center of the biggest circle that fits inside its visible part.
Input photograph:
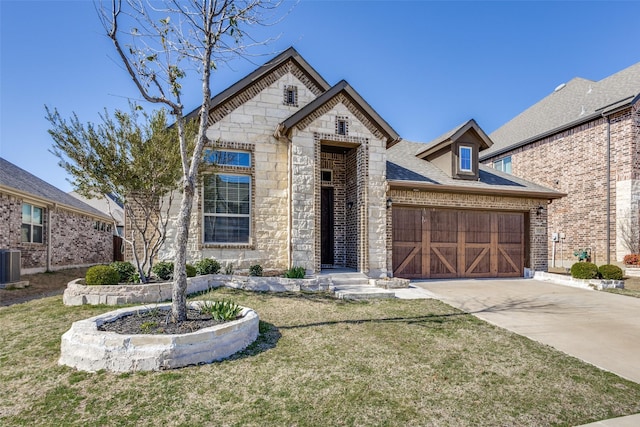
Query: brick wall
(74, 239)
(574, 162)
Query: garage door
(439, 243)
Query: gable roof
(579, 101)
(262, 72)
(341, 88)
(18, 181)
(453, 135)
(406, 170)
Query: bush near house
(295, 273)
(164, 270)
(632, 259)
(610, 272)
(584, 270)
(207, 266)
(101, 275)
(125, 269)
(255, 270)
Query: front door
(326, 226)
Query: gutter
(417, 185)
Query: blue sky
(424, 66)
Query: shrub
(222, 311)
(207, 266)
(584, 270)
(255, 270)
(125, 269)
(632, 259)
(228, 270)
(101, 275)
(191, 270)
(295, 273)
(163, 269)
(610, 272)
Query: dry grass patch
(41, 285)
(631, 288)
(317, 361)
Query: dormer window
(342, 125)
(466, 158)
(291, 96)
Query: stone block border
(78, 294)
(86, 348)
(592, 284)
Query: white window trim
(228, 215)
(470, 149)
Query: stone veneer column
(627, 197)
(303, 216)
(377, 211)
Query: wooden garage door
(439, 243)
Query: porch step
(361, 292)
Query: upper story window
(342, 125)
(228, 158)
(466, 158)
(291, 96)
(32, 224)
(503, 164)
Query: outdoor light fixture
(539, 210)
(349, 205)
(389, 202)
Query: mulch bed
(159, 322)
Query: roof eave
(532, 194)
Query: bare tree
(165, 40)
(629, 231)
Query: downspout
(49, 234)
(608, 188)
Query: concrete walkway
(600, 328)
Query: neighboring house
(583, 140)
(108, 206)
(51, 229)
(301, 173)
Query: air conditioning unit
(9, 266)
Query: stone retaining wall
(561, 279)
(79, 294)
(86, 348)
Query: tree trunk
(179, 292)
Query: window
(465, 159)
(291, 96)
(31, 224)
(342, 125)
(227, 208)
(503, 164)
(228, 158)
(326, 176)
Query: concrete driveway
(600, 328)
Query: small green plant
(148, 325)
(255, 270)
(295, 273)
(101, 275)
(207, 266)
(163, 269)
(610, 272)
(222, 311)
(584, 270)
(228, 270)
(191, 270)
(125, 269)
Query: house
(51, 229)
(302, 173)
(583, 140)
(108, 206)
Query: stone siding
(75, 241)
(574, 162)
(536, 247)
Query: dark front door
(326, 226)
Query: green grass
(317, 361)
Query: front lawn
(317, 362)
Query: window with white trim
(504, 164)
(228, 158)
(227, 208)
(465, 158)
(32, 223)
